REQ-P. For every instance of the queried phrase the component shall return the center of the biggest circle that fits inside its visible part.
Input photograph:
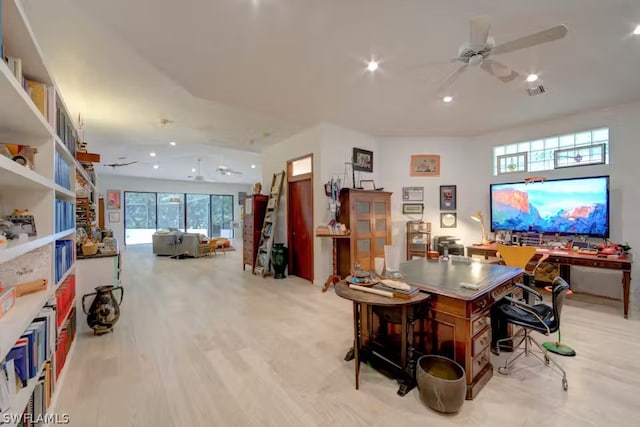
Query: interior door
(300, 207)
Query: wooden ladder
(263, 257)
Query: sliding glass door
(171, 211)
(139, 217)
(198, 213)
(144, 213)
(222, 216)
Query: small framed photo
(412, 194)
(113, 200)
(362, 160)
(425, 165)
(23, 224)
(114, 216)
(413, 208)
(448, 220)
(448, 197)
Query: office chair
(520, 256)
(539, 318)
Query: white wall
(127, 183)
(461, 164)
(331, 147)
(467, 163)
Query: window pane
(498, 151)
(198, 213)
(566, 141)
(511, 149)
(171, 211)
(552, 142)
(600, 135)
(222, 216)
(524, 147)
(583, 138)
(301, 167)
(140, 217)
(537, 145)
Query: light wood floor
(201, 343)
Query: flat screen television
(559, 206)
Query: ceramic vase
(104, 311)
(279, 258)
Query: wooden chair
(217, 243)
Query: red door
(300, 213)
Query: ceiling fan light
(156, 166)
(172, 143)
(532, 78)
(637, 31)
(447, 98)
(152, 154)
(193, 169)
(253, 166)
(372, 66)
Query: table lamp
(478, 217)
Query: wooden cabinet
(368, 215)
(418, 239)
(254, 210)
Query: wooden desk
(362, 303)
(566, 258)
(458, 323)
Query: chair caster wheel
(565, 384)
(546, 360)
(503, 370)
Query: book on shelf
(15, 66)
(38, 93)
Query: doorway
(300, 216)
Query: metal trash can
(442, 383)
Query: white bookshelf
(34, 189)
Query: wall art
(113, 199)
(425, 165)
(362, 160)
(448, 196)
(412, 194)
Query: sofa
(172, 242)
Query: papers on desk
(372, 291)
(474, 286)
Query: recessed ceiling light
(156, 166)
(532, 78)
(637, 31)
(193, 169)
(372, 65)
(172, 143)
(152, 154)
(253, 166)
(447, 98)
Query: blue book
(19, 355)
(32, 360)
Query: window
(582, 148)
(171, 211)
(222, 216)
(144, 213)
(139, 217)
(198, 213)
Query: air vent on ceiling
(537, 90)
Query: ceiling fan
(199, 177)
(117, 165)
(481, 49)
(224, 170)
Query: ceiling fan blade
(209, 180)
(500, 71)
(479, 31)
(449, 81)
(534, 39)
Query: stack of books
(397, 293)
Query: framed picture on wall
(412, 194)
(113, 200)
(412, 208)
(448, 220)
(448, 197)
(425, 165)
(114, 216)
(362, 160)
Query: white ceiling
(232, 71)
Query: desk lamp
(479, 218)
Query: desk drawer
(479, 324)
(479, 362)
(480, 304)
(480, 342)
